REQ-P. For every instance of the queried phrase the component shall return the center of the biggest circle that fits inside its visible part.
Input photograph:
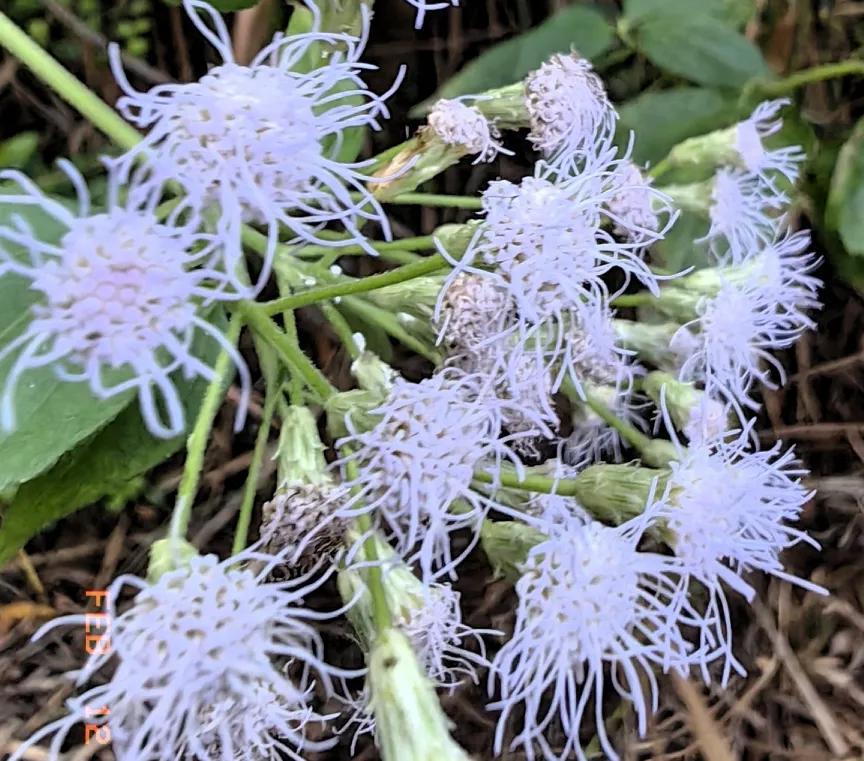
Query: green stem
(437, 199)
(66, 85)
(244, 519)
(631, 435)
(425, 266)
(290, 353)
(196, 444)
(258, 242)
(531, 482)
(780, 87)
(391, 325)
(341, 328)
(380, 609)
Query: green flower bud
(706, 152)
(300, 457)
(423, 157)
(416, 297)
(507, 544)
(695, 197)
(690, 408)
(357, 406)
(409, 722)
(168, 555)
(650, 341)
(454, 239)
(505, 106)
(373, 374)
(616, 493)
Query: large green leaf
(577, 28)
(700, 48)
(103, 467)
(663, 119)
(844, 211)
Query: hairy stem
(290, 353)
(779, 87)
(420, 268)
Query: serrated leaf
(844, 212)
(579, 28)
(662, 119)
(702, 49)
(121, 452)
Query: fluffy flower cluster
(117, 300)
(421, 458)
(214, 661)
(259, 142)
(213, 664)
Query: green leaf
(678, 251)
(844, 211)
(582, 29)
(699, 48)
(636, 11)
(663, 119)
(120, 453)
(52, 415)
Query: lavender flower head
(421, 458)
(749, 142)
(119, 301)
(740, 326)
(571, 117)
(251, 139)
(745, 215)
(459, 124)
(728, 508)
(587, 600)
(198, 670)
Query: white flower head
(253, 140)
(750, 136)
(571, 117)
(545, 239)
(745, 215)
(424, 6)
(201, 667)
(588, 600)
(421, 458)
(440, 639)
(633, 208)
(729, 509)
(120, 300)
(739, 327)
(459, 124)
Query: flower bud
(616, 493)
(650, 341)
(300, 457)
(352, 407)
(409, 722)
(416, 297)
(506, 544)
(168, 554)
(692, 410)
(373, 374)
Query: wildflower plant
(571, 403)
